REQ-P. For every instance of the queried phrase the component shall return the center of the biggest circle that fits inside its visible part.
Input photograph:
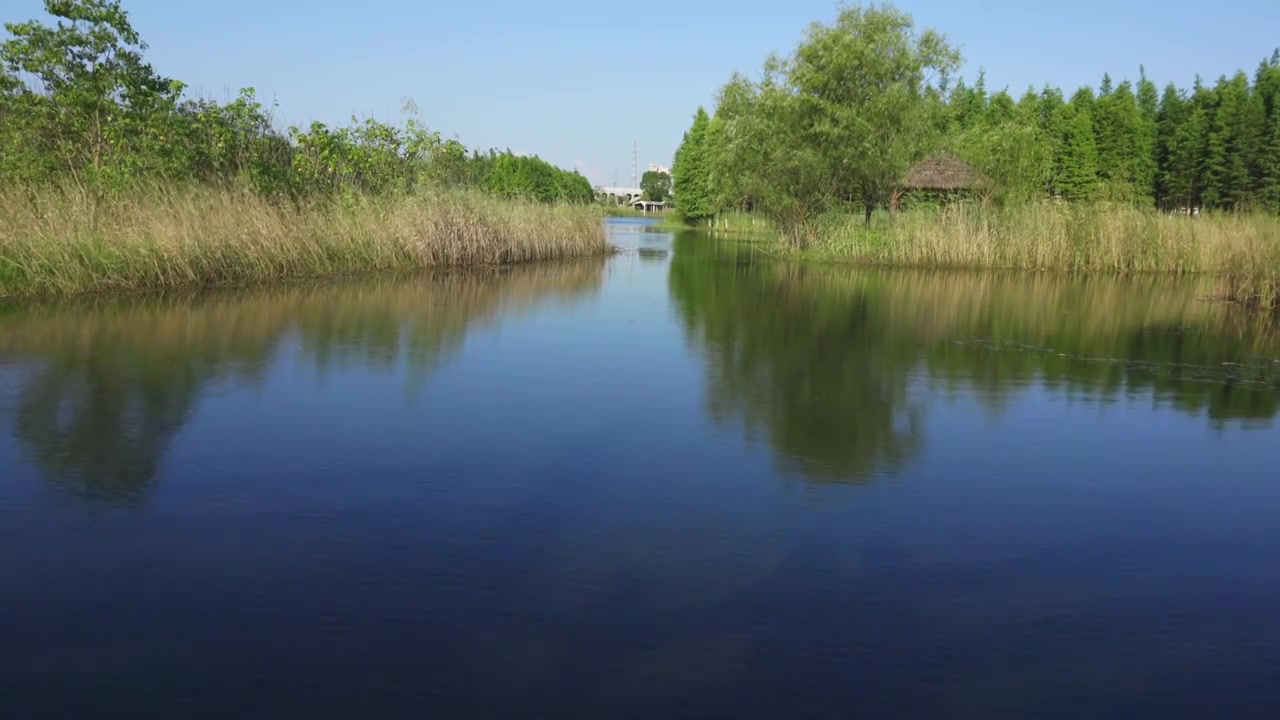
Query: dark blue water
(689, 480)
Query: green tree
(1185, 171)
(765, 154)
(1267, 94)
(1171, 116)
(1269, 183)
(1053, 126)
(1227, 179)
(1013, 156)
(1148, 99)
(656, 186)
(862, 85)
(92, 106)
(1001, 109)
(1078, 178)
(843, 118)
(692, 172)
(968, 105)
(1117, 125)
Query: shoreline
(53, 245)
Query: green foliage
(1145, 165)
(1013, 158)
(656, 186)
(841, 119)
(1078, 176)
(91, 109)
(692, 171)
(765, 156)
(519, 176)
(1227, 181)
(80, 107)
(1117, 127)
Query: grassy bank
(56, 243)
(1242, 249)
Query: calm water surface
(687, 480)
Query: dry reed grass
(54, 243)
(1244, 249)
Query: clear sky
(577, 82)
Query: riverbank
(1243, 249)
(57, 244)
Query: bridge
(620, 195)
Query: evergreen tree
(1149, 111)
(1117, 127)
(1171, 116)
(1053, 127)
(1267, 93)
(692, 172)
(1184, 175)
(1078, 179)
(969, 104)
(1029, 107)
(1001, 109)
(1269, 182)
(1227, 180)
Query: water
(688, 480)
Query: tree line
(80, 107)
(842, 120)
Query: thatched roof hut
(944, 172)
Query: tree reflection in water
(111, 384)
(820, 359)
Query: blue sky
(577, 82)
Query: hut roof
(943, 171)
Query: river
(691, 479)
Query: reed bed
(1243, 250)
(55, 243)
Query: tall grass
(1242, 249)
(737, 221)
(57, 243)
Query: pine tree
(1269, 182)
(1001, 109)
(1116, 125)
(1052, 116)
(968, 104)
(1267, 91)
(692, 172)
(1170, 118)
(1227, 181)
(1078, 179)
(1149, 111)
(1029, 107)
(1184, 176)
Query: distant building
(660, 169)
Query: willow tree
(765, 150)
(1014, 156)
(842, 118)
